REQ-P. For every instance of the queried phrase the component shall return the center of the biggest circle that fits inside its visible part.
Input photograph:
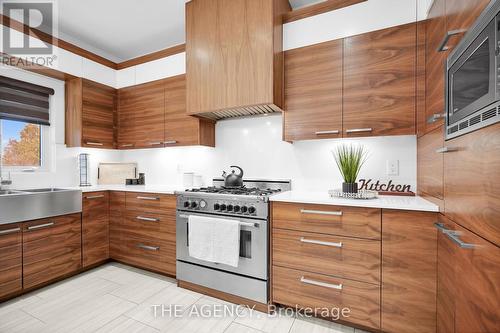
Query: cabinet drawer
(352, 258)
(95, 202)
(326, 219)
(51, 248)
(147, 252)
(10, 259)
(150, 225)
(307, 290)
(150, 202)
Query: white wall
(255, 144)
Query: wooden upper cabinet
(313, 92)
(379, 82)
(233, 54)
(181, 129)
(461, 14)
(90, 114)
(471, 190)
(141, 116)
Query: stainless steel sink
(26, 205)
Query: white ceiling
(120, 30)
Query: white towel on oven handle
(214, 239)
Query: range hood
(234, 58)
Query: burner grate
(235, 191)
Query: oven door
(471, 81)
(253, 246)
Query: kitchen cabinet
(235, 45)
(116, 216)
(421, 78)
(430, 166)
(313, 92)
(327, 256)
(141, 116)
(379, 82)
(181, 129)
(95, 228)
(11, 256)
(471, 178)
(90, 114)
(146, 228)
(468, 274)
(409, 258)
(51, 249)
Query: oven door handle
(244, 224)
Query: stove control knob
(223, 207)
(203, 204)
(186, 204)
(216, 206)
(229, 208)
(244, 209)
(251, 210)
(236, 209)
(194, 204)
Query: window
(21, 145)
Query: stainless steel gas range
(249, 205)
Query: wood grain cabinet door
(409, 258)
(430, 163)
(379, 82)
(51, 249)
(98, 115)
(95, 228)
(460, 15)
(471, 179)
(11, 259)
(313, 92)
(116, 219)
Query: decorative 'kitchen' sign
(368, 184)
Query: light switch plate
(392, 167)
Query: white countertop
(162, 189)
(383, 201)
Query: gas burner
(235, 191)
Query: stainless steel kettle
(233, 179)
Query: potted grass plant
(349, 160)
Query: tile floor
(121, 299)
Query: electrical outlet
(392, 167)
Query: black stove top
(235, 191)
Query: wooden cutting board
(115, 173)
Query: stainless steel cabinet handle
(359, 130)
(443, 47)
(126, 145)
(455, 237)
(148, 198)
(149, 219)
(320, 212)
(446, 150)
(9, 231)
(321, 284)
(155, 143)
(327, 132)
(312, 241)
(171, 142)
(40, 226)
(442, 228)
(149, 248)
(95, 196)
(435, 117)
(94, 143)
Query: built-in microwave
(473, 77)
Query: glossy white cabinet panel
(161, 68)
(125, 77)
(99, 73)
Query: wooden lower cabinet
(430, 164)
(11, 256)
(144, 228)
(310, 290)
(468, 289)
(51, 249)
(409, 258)
(95, 228)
